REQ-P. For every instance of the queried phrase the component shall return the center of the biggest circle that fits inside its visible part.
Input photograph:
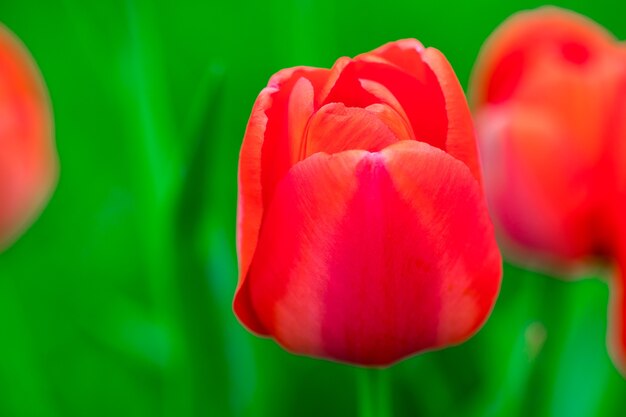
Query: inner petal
(422, 99)
(335, 128)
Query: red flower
(362, 231)
(28, 163)
(542, 89)
(616, 134)
(550, 95)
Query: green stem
(374, 393)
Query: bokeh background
(117, 302)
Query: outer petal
(271, 145)
(28, 161)
(369, 257)
(292, 104)
(405, 54)
(461, 139)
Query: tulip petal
(28, 161)
(411, 56)
(270, 280)
(395, 121)
(345, 87)
(387, 99)
(405, 54)
(537, 208)
(427, 115)
(461, 138)
(387, 230)
(335, 128)
(268, 149)
(292, 105)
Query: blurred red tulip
(549, 91)
(542, 88)
(616, 138)
(28, 162)
(362, 231)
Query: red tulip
(362, 231)
(28, 163)
(616, 138)
(542, 89)
(550, 95)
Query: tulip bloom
(616, 137)
(549, 90)
(362, 231)
(28, 163)
(542, 88)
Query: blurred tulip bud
(542, 88)
(549, 91)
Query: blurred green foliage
(117, 301)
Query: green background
(117, 301)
